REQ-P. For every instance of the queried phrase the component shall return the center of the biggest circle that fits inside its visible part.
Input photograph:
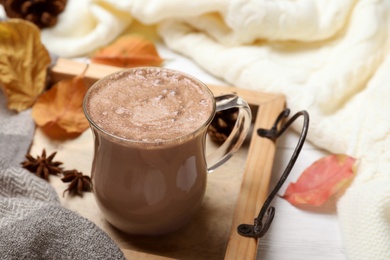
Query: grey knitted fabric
(33, 224)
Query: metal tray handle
(267, 212)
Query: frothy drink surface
(149, 104)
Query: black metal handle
(267, 212)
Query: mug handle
(237, 135)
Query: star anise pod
(78, 182)
(42, 13)
(42, 166)
(222, 125)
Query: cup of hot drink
(150, 168)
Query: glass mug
(149, 124)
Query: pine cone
(42, 13)
(222, 125)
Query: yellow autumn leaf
(23, 63)
(128, 51)
(59, 111)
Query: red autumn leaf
(128, 51)
(321, 180)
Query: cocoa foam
(149, 104)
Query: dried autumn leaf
(321, 180)
(23, 63)
(128, 51)
(59, 111)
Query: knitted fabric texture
(33, 224)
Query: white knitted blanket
(331, 58)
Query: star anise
(222, 125)
(78, 182)
(42, 166)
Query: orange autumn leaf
(128, 51)
(59, 111)
(321, 180)
(23, 63)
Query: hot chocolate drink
(149, 169)
(150, 105)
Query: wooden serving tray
(235, 192)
